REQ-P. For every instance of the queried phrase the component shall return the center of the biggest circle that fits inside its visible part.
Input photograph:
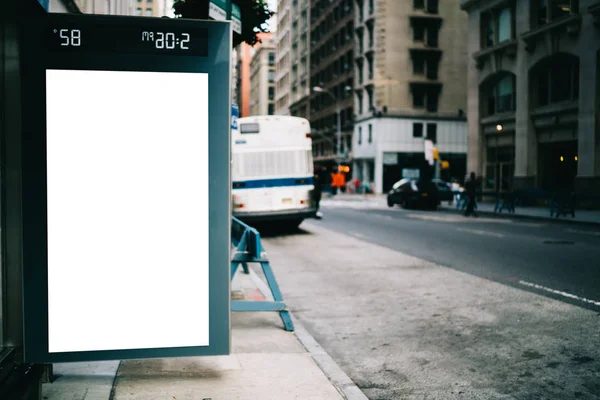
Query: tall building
(110, 7)
(410, 85)
(283, 62)
(534, 93)
(300, 59)
(262, 77)
(332, 57)
(244, 53)
(150, 8)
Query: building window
(418, 99)
(432, 37)
(489, 32)
(432, 6)
(360, 72)
(138, 11)
(370, 133)
(418, 32)
(371, 6)
(271, 109)
(271, 75)
(545, 11)
(497, 27)
(557, 80)
(432, 132)
(360, 41)
(417, 129)
(425, 95)
(148, 12)
(370, 61)
(360, 135)
(360, 102)
(504, 25)
(361, 14)
(271, 58)
(371, 39)
(418, 65)
(505, 94)
(501, 96)
(419, 4)
(271, 93)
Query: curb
(342, 382)
(527, 217)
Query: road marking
(437, 218)
(558, 292)
(482, 233)
(356, 234)
(583, 232)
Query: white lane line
(358, 235)
(558, 292)
(482, 233)
(583, 232)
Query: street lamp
(319, 89)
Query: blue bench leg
(285, 316)
(287, 321)
(245, 267)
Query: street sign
(429, 152)
(235, 114)
(217, 10)
(236, 18)
(126, 188)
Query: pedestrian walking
(471, 189)
(317, 193)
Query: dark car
(414, 193)
(445, 190)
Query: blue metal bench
(249, 250)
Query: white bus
(272, 170)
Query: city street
(431, 305)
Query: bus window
(248, 128)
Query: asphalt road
(561, 260)
(404, 328)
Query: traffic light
(436, 153)
(445, 165)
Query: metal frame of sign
(36, 60)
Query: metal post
(339, 136)
(229, 8)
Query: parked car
(414, 193)
(445, 190)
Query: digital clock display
(127, 39)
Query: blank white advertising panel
(127, 173)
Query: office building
(283, 63)
(534, 94)
(262, 77)
(300, 59)
(331, 69)
(410, 85)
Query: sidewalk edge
(561, 220)
(342, 382)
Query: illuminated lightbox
(126, 188)
(122, 272)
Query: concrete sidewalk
(591, 217)
(266, 363)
